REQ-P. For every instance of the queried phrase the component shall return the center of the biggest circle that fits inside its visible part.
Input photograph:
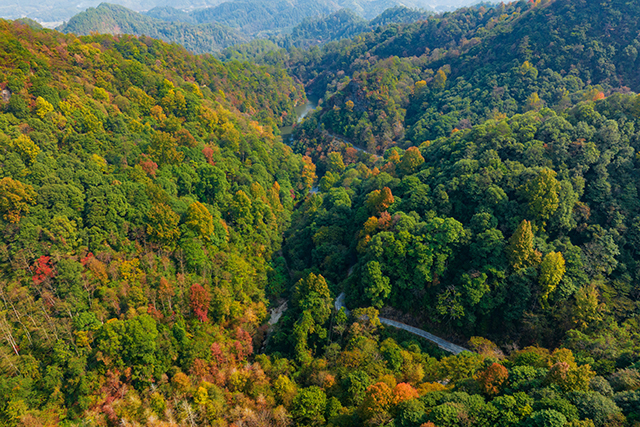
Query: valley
(190, 200)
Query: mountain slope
(412, 83)
(311, 32)
(144, 191)
(583, 38)
(114, 19)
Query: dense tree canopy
(150, 216)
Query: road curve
(443, 344)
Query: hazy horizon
(52, 13)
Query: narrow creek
(301, 113)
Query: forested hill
(211, 30)
(317, 31)
(419, 81)
(150, 216)
(113, 19)
(142, 193)
(595, 41)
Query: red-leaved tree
(200, 302)
(44, 270)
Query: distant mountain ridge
(339, 25)
(50, 11)
(113, 19)
(213, 29)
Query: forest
(167, 260)
(114, 19)
(241, 30)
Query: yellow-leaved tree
(552, 271)
(43, 107)
(200, 220)
(26, 148)
(15, 198)
(162, 225)
(520, 250)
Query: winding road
(443, 344)
(302, 111)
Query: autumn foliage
(44, 270)
(493, 378)
(199, 301)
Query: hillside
(311, 32)
(462, 68)
(166, 260)
(114, 19)
(140, 186)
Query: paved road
(443, 344)
(344, 140)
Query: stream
(301, 113)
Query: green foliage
(312, 294)
(309, 406)
(376, 286)
(146, 198)
(542, 194)
(601, 410)
(547, 418)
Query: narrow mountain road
(443, 344)
(345, 141)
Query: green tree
(312, 294)
(377, 287)
(309, 406)
(546, 418)
(600, 409)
